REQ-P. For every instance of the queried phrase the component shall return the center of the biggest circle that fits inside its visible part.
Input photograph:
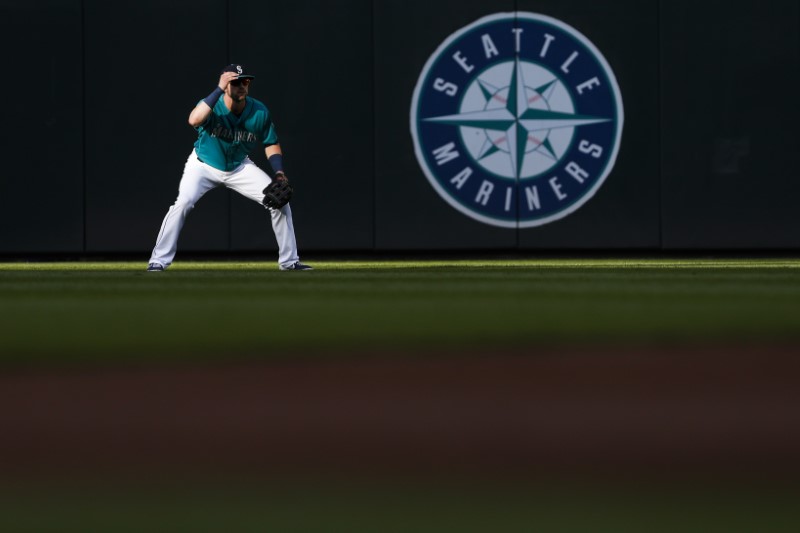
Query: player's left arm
(275, 157)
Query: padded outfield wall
(98, 93)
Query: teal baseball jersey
(224, 140)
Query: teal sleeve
(270, 136)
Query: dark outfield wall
(95, 133)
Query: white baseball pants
(199, 178)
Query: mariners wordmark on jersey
(516, 119)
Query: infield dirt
(660, 414)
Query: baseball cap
(239, 69)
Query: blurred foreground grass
(401, 508)
(116, 311)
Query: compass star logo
(516, 120)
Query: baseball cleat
(297, 265)
(155, 267)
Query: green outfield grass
(114, 310)
(322, 508)
(64, 313)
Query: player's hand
(225, 79)
(280, 176)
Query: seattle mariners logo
(516, 120)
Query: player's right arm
(202, 111)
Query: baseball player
(230, 125)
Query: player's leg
(283, 227)
(250, 181)
(197, 180)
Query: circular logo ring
(516, 120)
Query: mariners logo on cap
(516, 120)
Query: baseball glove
(277, 194)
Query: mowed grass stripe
(267, 266)
(116, 311)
